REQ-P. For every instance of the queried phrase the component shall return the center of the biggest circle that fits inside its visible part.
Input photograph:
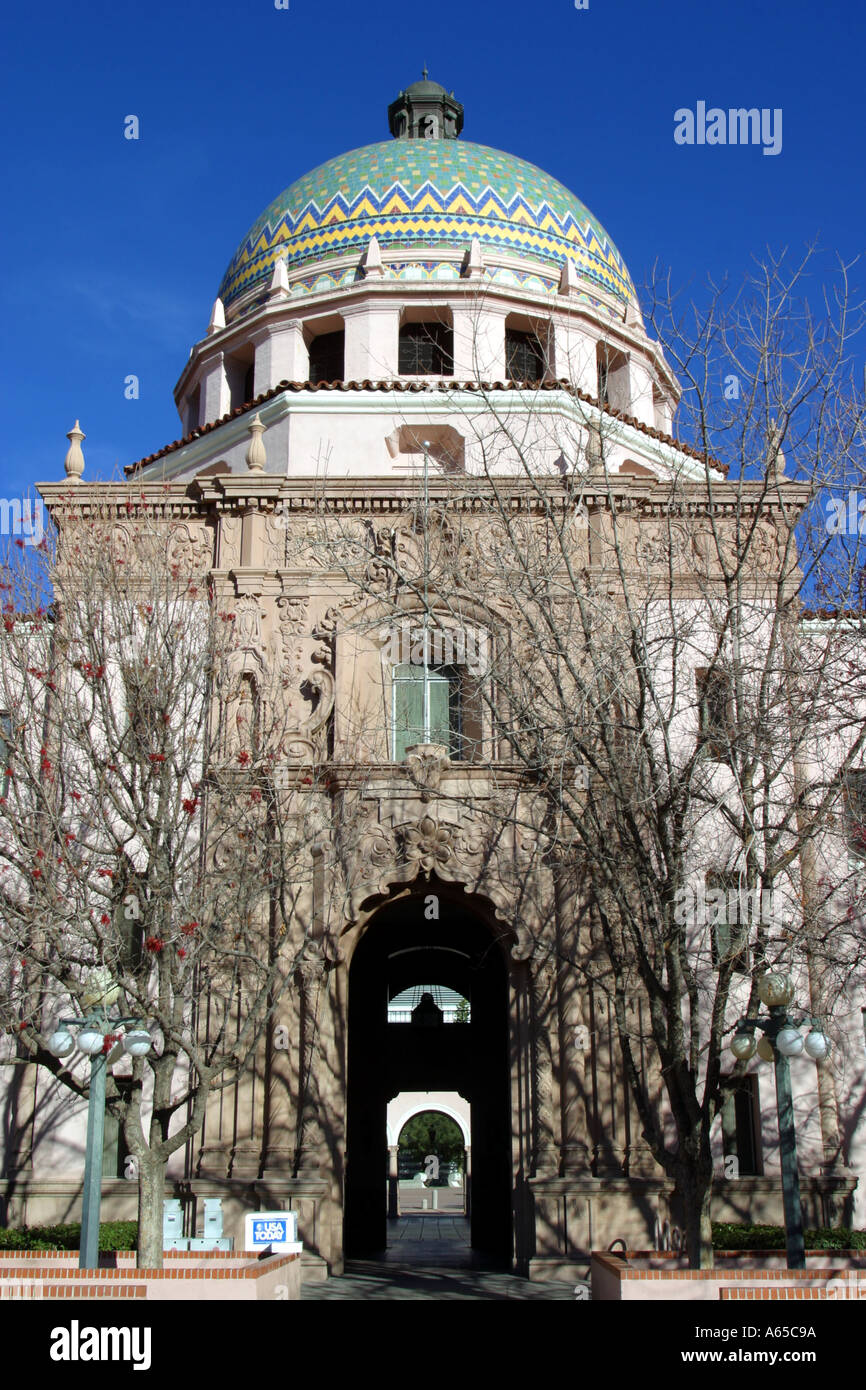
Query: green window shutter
(408, 706)
(439, 710)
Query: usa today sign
(277, 1229)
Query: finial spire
(279, 288)
(256, 457)
(217, 317)
(371, 261)
(424, 72)
(74, 461)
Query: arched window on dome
(613, 378)
(240, 375)
(426, 343)
(192, 417)
(326, 341)
(528, 349)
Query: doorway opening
(429, 1149)
(428, 1019)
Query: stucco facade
(279, 466)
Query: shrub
(728, 1236)
(113, 1235)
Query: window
(193, 409)
(855, 806)
(524, 358)
(730, 913)
(5, 752)
(453, 1006)
(240, 377)
(602, 381)
(327, 353)
(436, 704)
(613, 378)
(426, 349)
(741, 1125)
(249, 388)
(714, 712)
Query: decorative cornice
(436, 396)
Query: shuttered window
(523, 356)
(426, 349)
(327, 353)
(423, 707)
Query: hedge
(727, 1236)
(113, 1235)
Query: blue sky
(113, 250)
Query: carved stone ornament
(313, 962)
(275, 540)
(248, 622)
(659, 543)
(428, 843)
(307, 681)
(189, 549)
(425, 763)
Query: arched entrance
(405, 944)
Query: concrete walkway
(429, 1257)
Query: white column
(372, 331)
(479, 343)
(640, 391)
(215, 390)
(281, 355)
(574, 355)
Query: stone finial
(568, 278)
(256, 456)
(217, 317)
(473, 261)
(371, 261)
(775, 456)
(279, 288)
(74, 461)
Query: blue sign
(273, 1231)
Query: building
(373, 330)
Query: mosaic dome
(419, 196)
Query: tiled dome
(418, 196)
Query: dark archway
(401, 946)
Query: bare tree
(154, 825)
(655, 711)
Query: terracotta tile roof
(415, 386)
(832, 614)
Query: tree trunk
(695, 1196)
(151, 1191)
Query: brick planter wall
(644, 1275)
(212, 1275)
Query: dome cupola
(425, 111)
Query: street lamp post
(782, 1040)
(96, 1030)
